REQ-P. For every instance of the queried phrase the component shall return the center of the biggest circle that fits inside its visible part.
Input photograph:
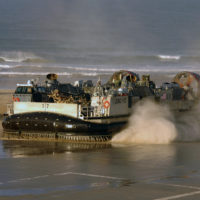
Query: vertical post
(78, 110)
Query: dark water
(87, 38)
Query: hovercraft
(87, 113)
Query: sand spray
(152, 123)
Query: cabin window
(23, 90)
(29, 90)
(18, 90)
(41, 89)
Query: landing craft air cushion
(84, 112)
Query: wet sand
(50, 170)
(62, 171)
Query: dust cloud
(188, 125)
(152, 123)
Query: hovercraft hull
(52, 125)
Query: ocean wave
(33, 73)
(23, 60)
(168, 57)
(35, 60)
(1, 60)
(109, 69)
(97, 69)
(145, 69)
(101, 73)
(45, 73)
(11, 59)
(20, 57)
(154, 58)
(5, 66)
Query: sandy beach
(5, 98)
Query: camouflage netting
(117, 77)
(52, 76)
(190, 82)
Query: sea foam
(19, 57)
(6, 66)
(168, 57)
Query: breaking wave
(92, 69)
(45, 73)
(145, 69)
(2, 60)
(33, 73)
(85, 71)
(168, 57)
(5, 66)
(23, 60)
(152, 123)
(20, 57)
(35, 60)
